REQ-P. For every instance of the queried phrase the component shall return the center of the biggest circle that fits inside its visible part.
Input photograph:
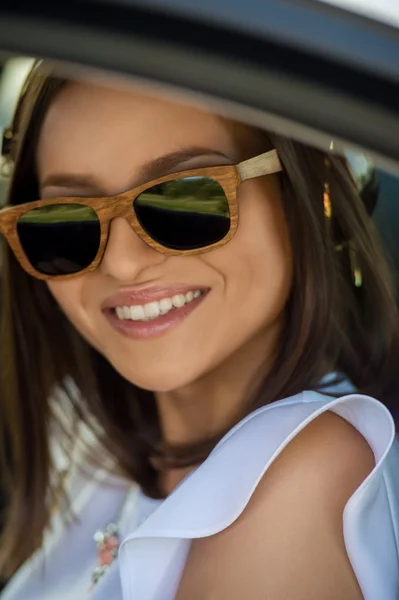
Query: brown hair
(330, 325)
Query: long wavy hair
(330, 325)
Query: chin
(159, 377)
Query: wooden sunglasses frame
(107, 208)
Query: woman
(185, 344)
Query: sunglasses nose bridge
(123, 208)
(119, 206)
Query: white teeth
(119, 312)
(152, 310)
(178, 300)
(165, 305)
(137, 313)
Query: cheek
(69, 295)
(257, 263)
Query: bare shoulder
(288, 543)
(329, 453)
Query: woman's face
(101, 141)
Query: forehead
(92, 127)
(102, 108)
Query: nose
(126, 255)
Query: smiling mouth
(155, 309)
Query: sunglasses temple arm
(264, 164)
(2, 211)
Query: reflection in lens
(60, 239)
(184, 214)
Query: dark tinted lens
(184, 214)
(60, 239)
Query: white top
(154, 550)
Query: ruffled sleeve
(152, 558)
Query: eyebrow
(162, 165)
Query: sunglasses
(184, 213)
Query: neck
(219, 398)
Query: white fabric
(153, 553)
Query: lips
(152, 327)
(141, 296)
